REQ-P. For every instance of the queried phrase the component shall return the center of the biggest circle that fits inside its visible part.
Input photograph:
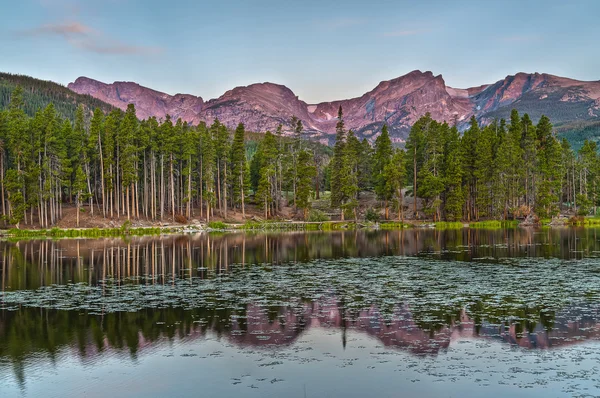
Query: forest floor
(287, 216)
(252, 213)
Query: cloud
(114, 47)
(86, 38)
(401, 33)
(67, 30)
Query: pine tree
(3, 141)
(306, 172)
(588, 175)
(266, 163)
(349, 177)
(13, 183)
(529, 153)
(568, 163)
(394, 175)
(453, 176)
(415, 145)
(221, 140)
(79, 189)
(207, 170)
(95, 152)
(430, 186)
(365, 166)
(381, 158)
(550, 170)
(469, 156)
(483, 172)
(337, 163)
(239, 168)
(127, 160)
(515, 159)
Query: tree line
(498, 171)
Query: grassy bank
(585, 221)
(298, 226)
(57, 233)
(494, 224)
(282, 226)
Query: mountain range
(398, 103)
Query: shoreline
(271, 226)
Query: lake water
(415, 313)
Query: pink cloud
(86, 38)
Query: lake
(409, 313)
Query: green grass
(449, 225)
(337, 226)
(82, 233)
(393, 225)
(289, 226)
(217, 225)
(494, 224)
(592, 220)
(273, 226)
(580, 221)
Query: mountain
(398, 103)
(37, 94)
(260, 107)
(147, 102)
(563, 100)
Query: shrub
(217, 225)
(584, 205)
(317, 216)
(372, 215)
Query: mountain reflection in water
(29, 332)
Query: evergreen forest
(111, 164)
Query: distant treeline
(37, 94)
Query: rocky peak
(147, 102)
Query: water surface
(398, 313)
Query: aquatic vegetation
(494, 224)
(434, 290)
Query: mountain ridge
(397, 102)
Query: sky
(322, 50)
